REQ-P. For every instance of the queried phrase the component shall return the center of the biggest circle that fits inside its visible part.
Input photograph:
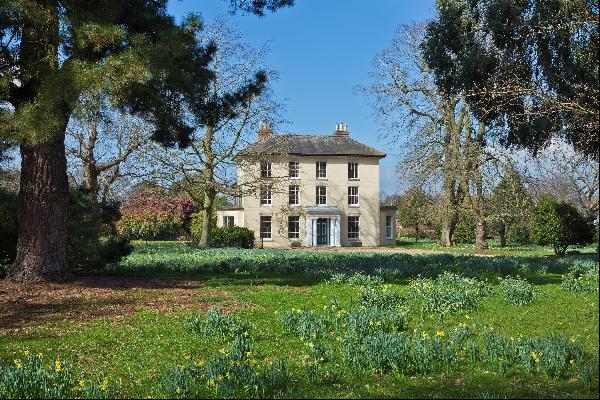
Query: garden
(172, 320)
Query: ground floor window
(294, 227)
(228, 220)
(353, 228)
(388, 227)
(265, 227)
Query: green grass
(520, 250)
(136, 352)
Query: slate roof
(317, 145)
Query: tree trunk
(480, 234)
(206, 212)
(90, 180)
(502, 232)
(42, 214)
(416, 233)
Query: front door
(322, 231)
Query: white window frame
(319, 164)
(351, 235)
(294, 190)
(319, 195)
(265, 169)
(266, 196)
(293, 234)
(228, 220)
(294, 166)
(354, 170)
(389, 234)
(263, 232)
(353, 196)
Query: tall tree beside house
(440, 140)
(53, 53)
(530, 67)
(226, 115)
(414, 209)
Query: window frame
(318, 195)
(266, 170)
(296, 169)
(266, 196)
(226, 218)
(351, 196)
(318, 170)
(294, 234)
(295, 193)
(389, 235)
(263, 220)
(355, 170)
(353, 222)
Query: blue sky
(322, 49)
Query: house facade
(311, 190)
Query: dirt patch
(23, 306)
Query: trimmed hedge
(233, 236)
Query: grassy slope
(136, 351)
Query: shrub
(214, 324)
(465, 228)
(233, 236)
(559, 225)
(516, 291)
(153, 215)
(449, 293)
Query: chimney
(264, 130)
(341, 129)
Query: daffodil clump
(581, 277)
(516, 291)
(33, 376)
(217, 325)
(449, 293)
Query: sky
(323, 49)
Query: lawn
(310, 324)
(494, 248)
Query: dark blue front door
(322, 231)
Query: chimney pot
(264, 130)
(341, 129)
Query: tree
(101, 147)
(560, 225)
(225, 118)
(529, 67)
(414, 208)
(53, 53)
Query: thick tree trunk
(207, 210)
(502, 232)
(42, 214)
(480, 234)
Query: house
(310, 190)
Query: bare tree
(101, 146)
(238, 98)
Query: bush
(233, 236)
(519, 234)
(559, 225)
(582, 277)
(153, 215)
(465, 228)
(216, 325)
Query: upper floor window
(321, 169)
(294, 169)
(294, 227)
(294, 194)
(352, 195)
(265, 227)
(228, 220)
(354, 227)
(265, 195)
(321, 195)
(352, 170)
(265, 169)
(388, 227)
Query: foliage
(414, 209)
(28, 378)
(465, 228)
(356, 279)
(233, 236)
(153, 215)
(582, 277)
(197, 225)
(216, 325)
(449, 293)
(559, 225)
(516, 291)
